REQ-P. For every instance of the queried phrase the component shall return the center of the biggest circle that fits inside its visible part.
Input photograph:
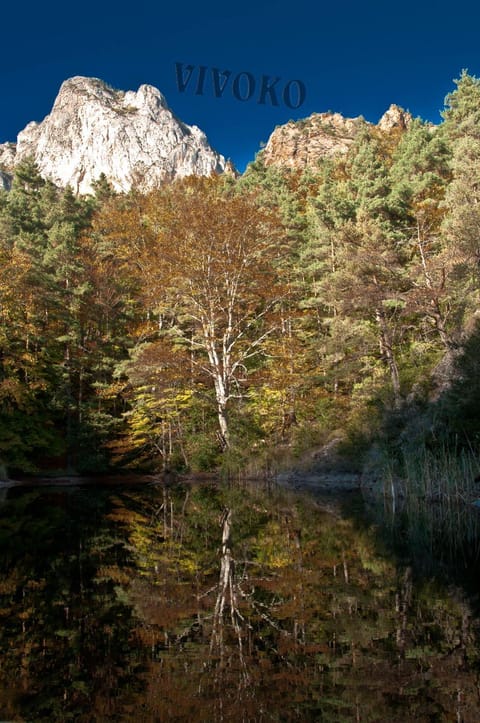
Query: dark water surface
(209, 603)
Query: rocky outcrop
(133, 138)
(5, 181)
(395, 117)
(7, 157)
(301, 144)
(230, 169)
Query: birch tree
(211, 281)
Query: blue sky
(354, 58)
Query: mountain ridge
(134, 139)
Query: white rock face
(7, 156)
(395, 117)
(131, 137)
(5, 181)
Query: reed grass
(433, 493)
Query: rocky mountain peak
(132, 137)
(299, 144)
(147, 97)
(395, 117)
(303, 143)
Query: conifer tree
(461, 224)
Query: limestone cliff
(395, 117)
(5, 181)
(131, 137)
(301, 144)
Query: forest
(231, 324)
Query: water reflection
(205, 603)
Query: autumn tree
(210, 279)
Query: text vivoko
(244, 85)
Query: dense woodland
(221, 323)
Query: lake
(208, 602)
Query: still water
(211, 603)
